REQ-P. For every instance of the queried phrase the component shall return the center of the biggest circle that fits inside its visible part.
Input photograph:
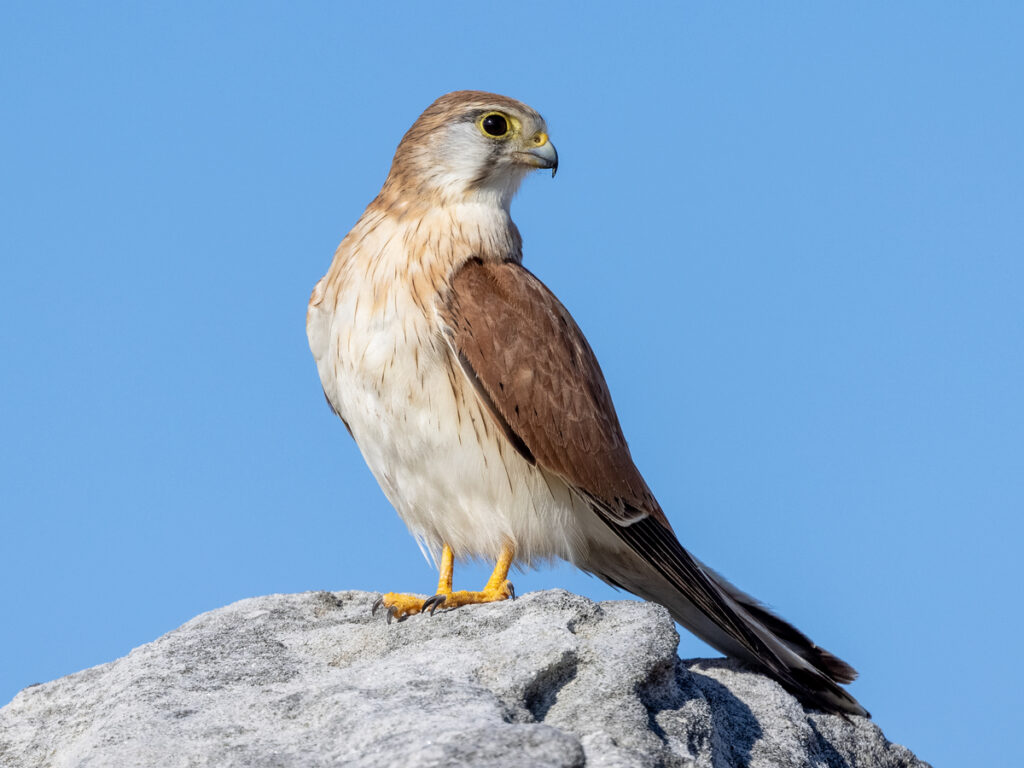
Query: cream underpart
(387, 370)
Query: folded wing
(538, 378)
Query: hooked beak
(540, 153)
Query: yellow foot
(498, 587)
(399, 605)
(450, 599)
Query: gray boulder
(551, 679)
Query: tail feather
(802, 645)
(796, 640)
(659, 569)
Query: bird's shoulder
(534, 369)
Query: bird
(481, 409)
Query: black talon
(512, 591)
(433, 603)
(391, 613)
(376, 604)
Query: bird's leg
(444, 582)
(498, 587)
(400, 605)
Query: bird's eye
(494, 124)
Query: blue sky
(793, 236)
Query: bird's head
(470, 146)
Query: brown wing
(538, 376)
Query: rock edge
(313, 680)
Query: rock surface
(551, 679)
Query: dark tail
(724, 616)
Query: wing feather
(538, 377)
(534, 370)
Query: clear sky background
(793, 235)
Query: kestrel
(481, 409)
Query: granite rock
(551, 679)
